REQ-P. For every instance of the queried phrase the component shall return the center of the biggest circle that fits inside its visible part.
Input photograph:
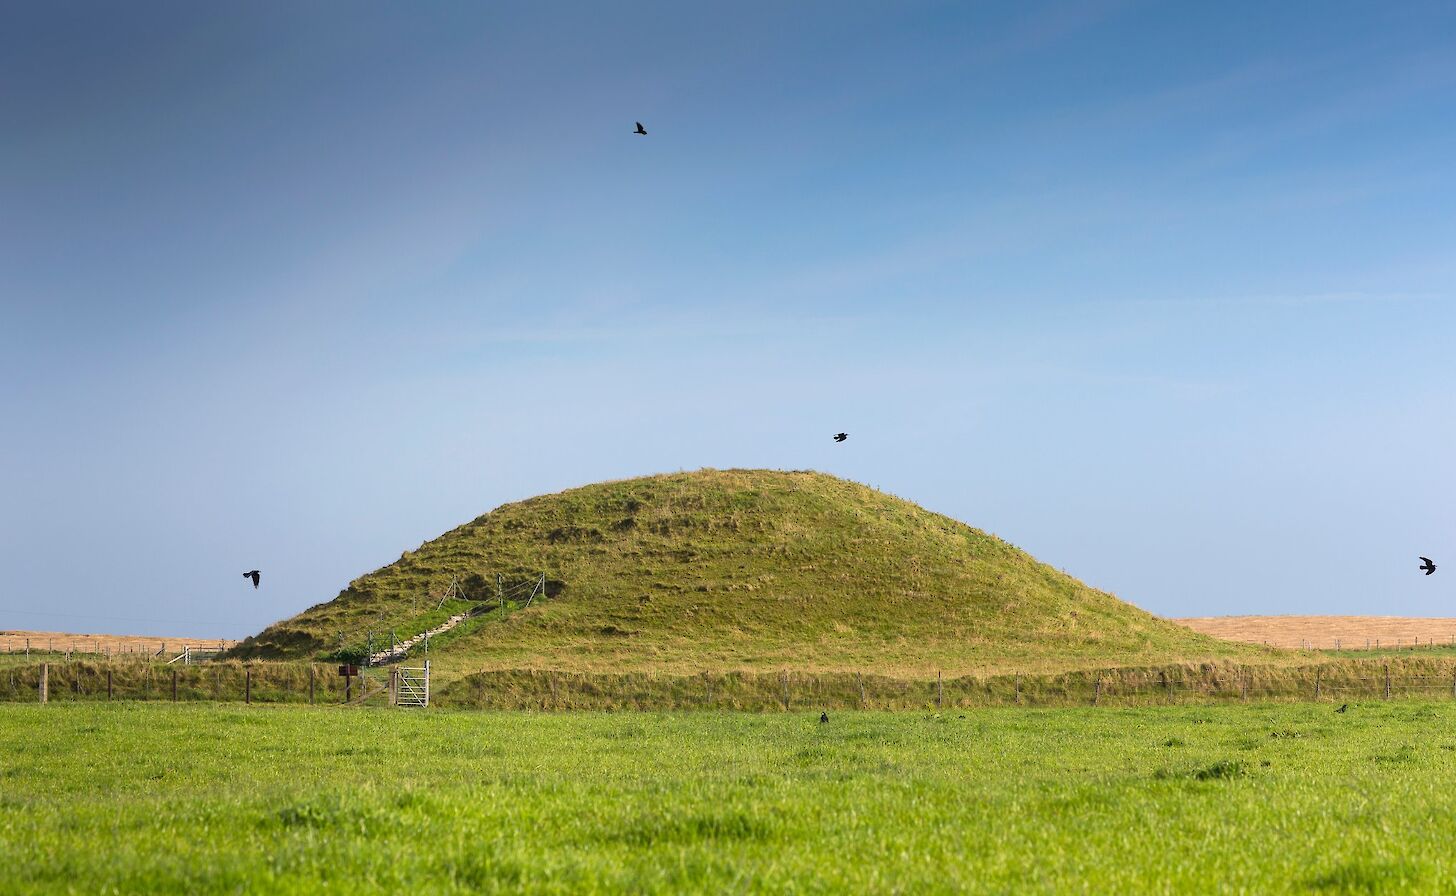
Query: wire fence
(126, 678)
(103, 646)
(129, 678)
(787, 690)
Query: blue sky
(1159, 292)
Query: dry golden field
(71, 642)
(1322, 632)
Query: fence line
(783, 690)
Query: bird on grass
(824, 718)
(640, 130)
(841, 436)
(1428, 566)
(1343, 707)
(254, 575)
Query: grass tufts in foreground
(142, 798)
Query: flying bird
(824, 718)
(252, 575)
(640, 129)
(841, 436)
(1428, 566)
(1343, 707)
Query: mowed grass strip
(1260, 799)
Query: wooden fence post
(108, 684)
(1316, 683)
(45, 682)
(394, 687)
(939, 691)
(1387, 681)
(1097, 691)
(1018, 687)
(310, 683)
(708, 686)
(786, 690)
(247, 684)
(174, 685)
(1453, 684)
(862, 701)
(1244, 687)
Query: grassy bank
(1260, 798)
(1425, 674)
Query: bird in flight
(824, 718)
(841, 436)
(254, 575)
(640, 129)
(1343, 707)
(1428, 566)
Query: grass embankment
(1417, 674)
(1257, 799)
(746, 570)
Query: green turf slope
(742, 569)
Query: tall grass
(1265, 798)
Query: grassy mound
(739, 569)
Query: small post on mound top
(45, 682)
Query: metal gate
(414, 686)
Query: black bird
(640, 129)
(841, 436)
(1428, 566)
(252, 575)
(824, 718)
(1343, 707)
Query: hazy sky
(1161, 292)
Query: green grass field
(1263, 798)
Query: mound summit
(740, 569)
